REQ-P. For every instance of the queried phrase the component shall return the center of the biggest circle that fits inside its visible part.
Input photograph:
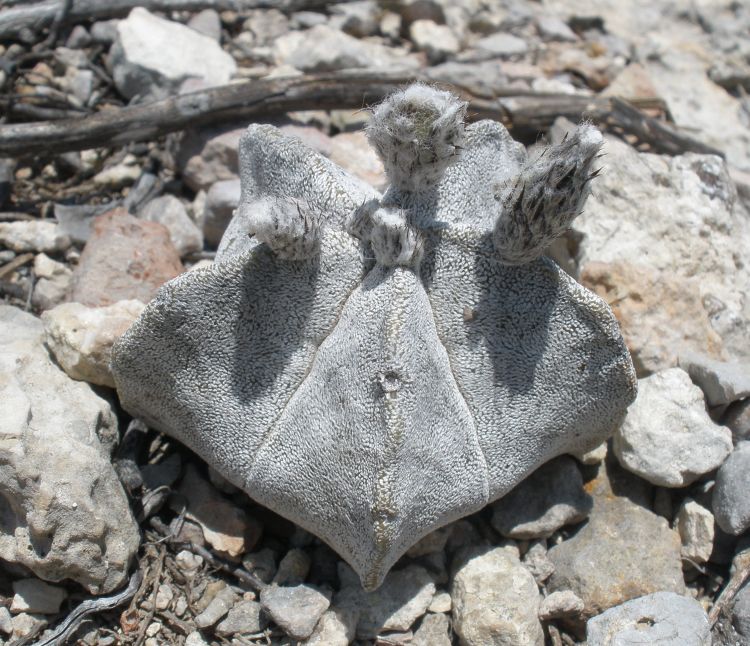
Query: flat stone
(695, 524)
(195, 639)
(721, 382)
(623, 551)
(208, 23)
(125, 259)
(437, 41)
(81, 337)
(502, 45)
(169, 211)
(433, 631)
(323, 48)
(337, 627)
(662, 618)
(209, 156)
(26, 624)
(76, 220)
(221, 201)
(35, 596)
(33, 235)
(560, 604)
(484, 78)
(119, 175)
(667, 437)
(661, 314)
(245, 617)
(69, 518)
(153, 56)
(402, 598)
(731, 502)
(217, 608)
(358, 19)
(293, 568)
(296, 609)
(495, 600)
(553, 28)
(226, 527)
(441, 602)
(551, 497)
(188, 562)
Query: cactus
(372, 366)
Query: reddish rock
(125, 258)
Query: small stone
(437, 41)
(208, 23)
(35, 596)
(54, 281)
(6, 622)
(337, 627)
(495, 600)
(153, 629)
(433, 631)
(741, 611)
(78, 38)
(594, 456)
(402, 598)
(81, 337)
(560, 604)
(153, 56)
(188, 562)
(6, 255)
(119, 175)
(209, 156)
(721, 382)
(26, 624)
(169, 211)
(737, 418)
(502, 45)
(731, 502)
(551, 497)
(353, 153)
(164, 596)
(537, 562)
(104, 31)
(667, 437)
(432, 543)
(359, 18)
(553, 28)
(217, 608)
(641, 554)
(226, 527)
(390, 25)
(246, 617)
(33, 235)
(293, 568)
(195, 639)
(125, 259)
(695, 524)
(663, 618)
(76, 220)
(221, 201)
(262, 564)
(441, 602)
(180, 606)
(296, 610)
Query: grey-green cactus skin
(379, 366)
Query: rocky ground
(644, 540)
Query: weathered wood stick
(35, 16)
(269, 97)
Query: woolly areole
(374, 367)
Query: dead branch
(528, 111)
(36, 16)
(741, 574)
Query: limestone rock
(433, 631)
(244, 617)
(54, 280)
(502, 45)
(295, 609)
(667, 436)
(437, 41)
(170, 212)
(217, 608)
(35, 596)
(731, 502)
(548, 499)
(359, 18)
(495, 600)
(337, 627)
(209, 156)
(695, 524)
(124, 259)
(67, 516)
(153, 56)
(662, 618)
(721, 382)
(33, 235)
(81, 337)
(560, 604)
(741, 611)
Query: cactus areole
(372, 366)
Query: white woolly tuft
(288, 227)
(418, 133)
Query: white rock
(296, 609)
(217, 608)
(33, 235)
(195, 639)
(53, 283)
(188, 561)
(721, 382)
(502, 44)
(562, 603)
(441, 602)
(153, 56)
(122, 174)
(553, 28)
(71, 517)
(675, 215)
(695, 524)
(208, 23)
(359, 18)
(6, 623)
(81, 337)
(323, 48)
(437, 41)
(433, 631)
(337, 627)
(662, 618)
(495, 600)
(35, 596)
(169, 211)
(667, 437)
